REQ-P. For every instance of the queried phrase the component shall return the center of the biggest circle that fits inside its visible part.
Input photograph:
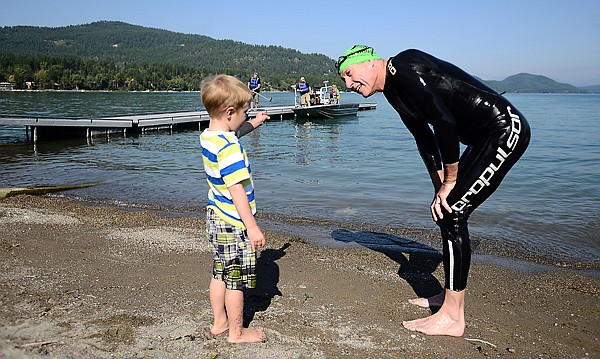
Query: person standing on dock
(254, 86)
(443, 106)
(230, 223)
(304, 89)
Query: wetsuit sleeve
(446, 133)
(423, 96)
(426, 143)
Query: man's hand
(439, 201)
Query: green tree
(18, 77)
(42, 80)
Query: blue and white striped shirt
(226, 164)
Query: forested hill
(121, 42)
(110, 55)
(532, 84)
(124, 45)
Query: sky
(489, 39)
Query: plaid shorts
(234, 262)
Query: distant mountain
(591, 89)
(141, 50)
(121, 42)
(529, 83)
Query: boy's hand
(257, 239)
(260, 118)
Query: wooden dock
(50, 128)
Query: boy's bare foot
(219, 328)
(435, 301)
(437, 324)
(248, 336)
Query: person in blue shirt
(254, 86)
(304, 89)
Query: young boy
(230, 222)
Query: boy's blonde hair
(221, 91)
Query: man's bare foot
(438, 324)
(431, 302)
(219, 328)
(248, 336)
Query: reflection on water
(95, 104)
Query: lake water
(362, 169)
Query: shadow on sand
(267, 273)
(417, 261)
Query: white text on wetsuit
(484, 179)
(391, 67)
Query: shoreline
(319, 232)
(91, 280)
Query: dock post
(34, 134)
(87, 133)
(27, 133)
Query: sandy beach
(96, 281)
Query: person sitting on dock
(254, 86)
(304, 89)
(230, 223)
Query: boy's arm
(240, 200)
(252, 124)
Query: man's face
(360, 78)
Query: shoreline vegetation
(95, 280)
(267, 91)
(125, 91)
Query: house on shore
(6, 86)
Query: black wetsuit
(429, 93)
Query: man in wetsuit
(443, 106)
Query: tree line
(69, 73)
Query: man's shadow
(417, 261)
(267, 273)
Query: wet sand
(94, 281)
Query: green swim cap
(355, 55)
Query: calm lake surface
(361, 169)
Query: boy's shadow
(267, 273)
(417, 261)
